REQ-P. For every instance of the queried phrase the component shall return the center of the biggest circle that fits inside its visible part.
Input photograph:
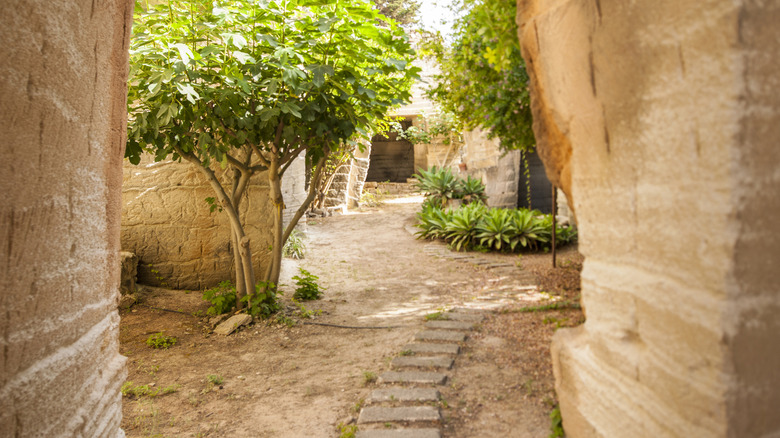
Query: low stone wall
(180, 243)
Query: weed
(558, 305)
(307, 289)
(294, 247)
(222, 298)
(281, 319)
(434, 316)
(388, 425)
(160, 340)
(347, 431)
(406, 353)
(358, 406)
(160, 279)
(264, 302)
(556, 424)
(215, 379)
(304, 312)
(368, 377)
(130, 389)
(369, 199)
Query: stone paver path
(405, 400)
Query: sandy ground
(301, 381)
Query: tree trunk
(277, 199)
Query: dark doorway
(392, 159)
(541, 188)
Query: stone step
(468, 317)
(378, 414)
(423, 348)
(449, 325)
(412, 377)
(404, 395)
(399, 433)
(439, 335)
(422, 362)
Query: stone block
(453, 316)
(439, 335)
(129, 263)
(376, 414)
(412, 377)
(399, 433)
(422, 362)
(449, 325)
(233, 323)
(424, 348)
(404, 395)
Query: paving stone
(439, 335)
(470, 317)
(479, 262)
(378, 414)
(449, 325)
(498, 265)
(399, 433)
(404, 394)
(233, 323)
(412, 377)
(424, 348)
(423, 362)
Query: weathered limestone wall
(671, 112)
(500, 174)
(62, 112)
(180, 243)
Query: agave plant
(432, 222)
(471, 190)
(529, 229)
(461, 228)
(496, 229)
(440, 185)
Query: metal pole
(554, 208)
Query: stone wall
(62, 112)
(179, 242)
(670, 109)
(500, 174)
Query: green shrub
(222, 298)
(460, 230)
(476, 227)
(307, 289)
(264, 302)
(294, 247)
(439, 185)
(161, 341)
(471, 190)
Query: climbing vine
(483, 80)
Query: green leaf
(185, 54)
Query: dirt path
(300, 381)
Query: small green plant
(294, 247)
(129, 389)
(356, 408)
(406, 353)
(157, 276)
(304, 312)
(307, 289)
(282, 319)
(215, 379)
(222, 298)
(160, 341)
(434, 316)
(369, 377)
(264, 302)
(347, 431)
(369, 199)
(556, 424)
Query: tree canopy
(247, 86)
(405, 12)
(483, 80)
